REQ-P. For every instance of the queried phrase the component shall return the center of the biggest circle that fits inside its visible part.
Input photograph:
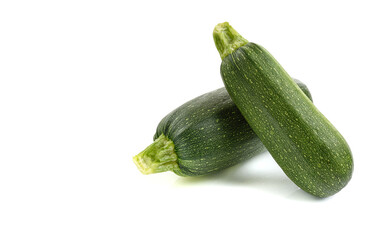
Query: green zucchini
(204, 135)
(308, 148)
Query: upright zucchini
(204, 135)
(308, 148)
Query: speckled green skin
(308, 148)
(210, 134)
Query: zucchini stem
(158, 157)
(227, 40)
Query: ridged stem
(158, 157)
(227, 40)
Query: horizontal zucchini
(308, 148)
(204, 135)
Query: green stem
(158, 157)
(227, 40)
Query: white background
(83, 85)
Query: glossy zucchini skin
(308, 148)
(208, 134)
